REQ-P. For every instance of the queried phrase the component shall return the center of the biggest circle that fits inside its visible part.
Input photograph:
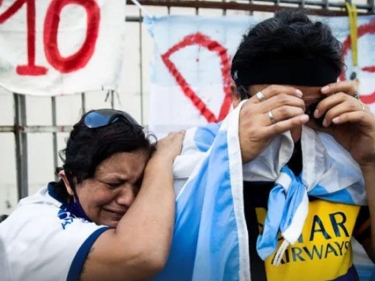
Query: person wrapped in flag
(278, 189)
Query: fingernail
(335, 120)
(325, 89)
(299, 93)
(316, 113)
(325, 123)
(304, 118)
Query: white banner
(191, 71)
(57, 47)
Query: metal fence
(136, 75)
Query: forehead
(123, 163)
(307, 91)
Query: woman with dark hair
(111, 215)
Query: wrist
(160, 161)
(368, 168)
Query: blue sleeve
(80, 257)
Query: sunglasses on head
(104, 117)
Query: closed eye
(114, 184)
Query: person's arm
(366, 237)
(352, 124)
(139, 247)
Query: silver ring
(356, 95)
(270, 115)
(260, 96)
(363, 106)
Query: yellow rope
(353, 14)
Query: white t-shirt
(40, 241)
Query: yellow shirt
(323, 251)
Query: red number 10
(51, 24)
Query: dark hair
(289, 36)
(87, 147)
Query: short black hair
(289, 35)
(88, 147)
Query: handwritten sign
(190, 84)
(54, 47)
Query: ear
(66, 183)
(236, 97)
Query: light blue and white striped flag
(210, 238)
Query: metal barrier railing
(331, 8)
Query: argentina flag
(210, 239)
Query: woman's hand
(258, 118)
(169, 147)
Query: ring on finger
(356, 95)
(260, 96)
(272, 118)
(363, 106)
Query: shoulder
(200, 138)
(44, 236)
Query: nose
(126, 196)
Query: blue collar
(74, 208)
